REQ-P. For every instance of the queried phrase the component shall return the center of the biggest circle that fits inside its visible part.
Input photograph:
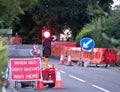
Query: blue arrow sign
(87, 43)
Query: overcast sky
(116, 2)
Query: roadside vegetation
(105, 30)
(85, 18)
(3, 60)
(28, 17)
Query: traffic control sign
(25, 69)
(87, 43)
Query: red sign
(16, 40)
(25, 69)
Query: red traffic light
(47, 34)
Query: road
(75, 78)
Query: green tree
(3, 59)
(111, 30)
(10, 9)
(58, 14)
(104, 30)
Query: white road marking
(77, 78)
(100, 88)
(31, 52)
(62, 71)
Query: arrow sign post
(87, 43)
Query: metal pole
(46, 62)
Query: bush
(3, 59)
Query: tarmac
(10, 88)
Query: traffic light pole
(46, 62)
(46, 45)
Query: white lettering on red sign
(25, 69)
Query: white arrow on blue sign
(87, 43)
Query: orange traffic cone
(53, 66)
(40, 84)
(61, 62)
(38, 52)
(69, 62)
(58, 83)
(43, 58)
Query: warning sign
(25, 69)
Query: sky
(116, 2)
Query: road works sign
(87, 43)
(25, 69)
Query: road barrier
(110, 57)
(86, 55)
(75, 53)
(98, 56)
(67, 44)
(94, 56)
(60, 47)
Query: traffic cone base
(40, 86)
(58, 84)
(53, 66)
(61, 62)
(69, 63)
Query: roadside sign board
(25, 69)
(87, 43)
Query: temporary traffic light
(46, 38)
(46, 34)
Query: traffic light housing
(46, 42)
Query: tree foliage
(11, 9)
(3, 58)
(104, 30)
(111, 30)
(23, 15)
(57, 14)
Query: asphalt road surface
(74, 78)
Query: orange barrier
(103, 56)
(110, 57)
(94, 56)
(98, 55)
(61, 47)
(57, 50)
(86, 55)
(68, 44)
(74, 52)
